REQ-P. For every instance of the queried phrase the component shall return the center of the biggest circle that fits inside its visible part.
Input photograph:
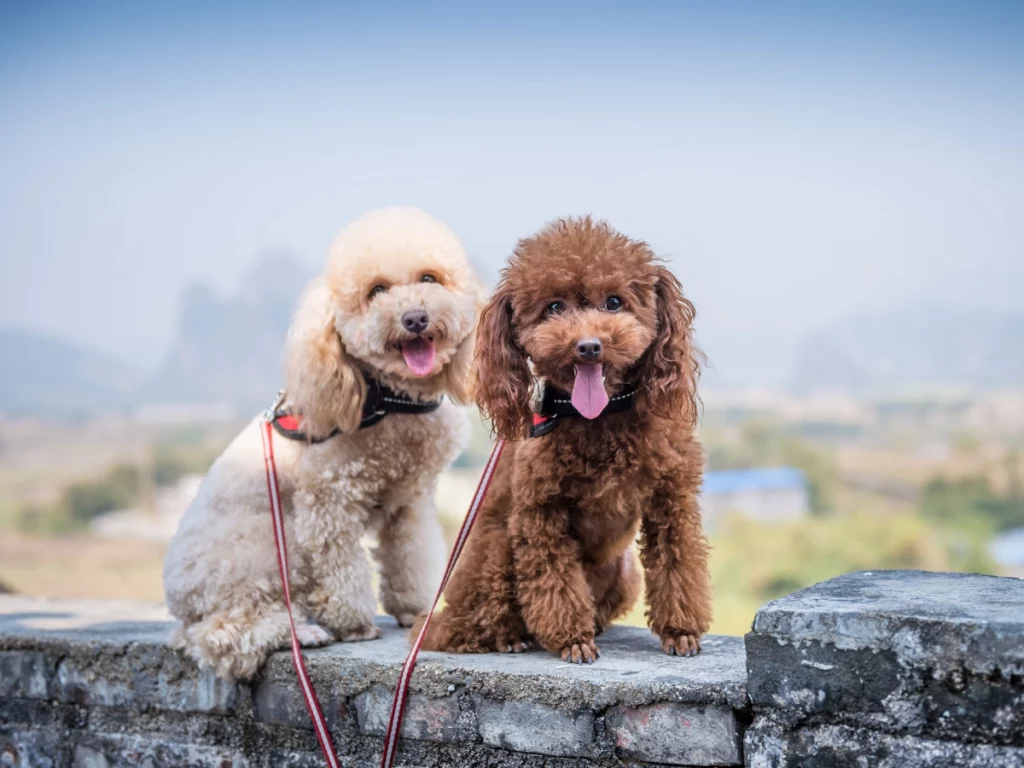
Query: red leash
(402, 691)
(315, 713)
(387, 758)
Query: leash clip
(537, 394)
(271, 413)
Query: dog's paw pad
(367, 632)
(680, 644)
(313, 635)
(582, 652)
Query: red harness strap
(387, 758)
(323, 736)
(315, 713)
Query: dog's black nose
(588, 349)
(415, 321)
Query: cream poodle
(388, 327)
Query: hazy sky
(796, 161)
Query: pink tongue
(588, 394)
(419, 356)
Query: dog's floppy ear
(671, 367)
(503, 380)
(458, 373)
(322, 383)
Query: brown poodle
(604, 326)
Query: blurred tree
(761, 438)
(172, 462)
(1014, 483)
(819, 466)
(967, 443)
(964, 503)
(769, 560)
(80, 502)
(118, 489)
(185, 451)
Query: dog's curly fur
(220, 574)
(551, 556)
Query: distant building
(1007, 549)
(775, 494)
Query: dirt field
(78, 566)
(82, 566)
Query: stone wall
(891, 669)
(85, 690)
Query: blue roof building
(772, 494)
(768, 479)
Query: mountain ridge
(227, 349)
(924, 345)
(48, 375)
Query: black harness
(556, 404)
(380, 401)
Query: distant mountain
(740, 361)
(228, 349)
(48, 376)
(915, 347)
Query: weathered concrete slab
(899, 652)
(122, 695)
(969, 620)
(837, 746)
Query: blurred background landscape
(841, 191)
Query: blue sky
(796, 161)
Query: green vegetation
(80, 502)
(123, 486)
(118, 489)
(173, 461)
(753, 562)
(764, 443)
(793, 555)
(970, 503)
(947, 528)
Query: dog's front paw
(406, 620)
(365, 632)
(680, 643)
(313, 635)
(580, 651)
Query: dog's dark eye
(613, 303)
(428, 278)
(377, 290)
(555, 307)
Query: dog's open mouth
(589, 396)
(419, 355)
